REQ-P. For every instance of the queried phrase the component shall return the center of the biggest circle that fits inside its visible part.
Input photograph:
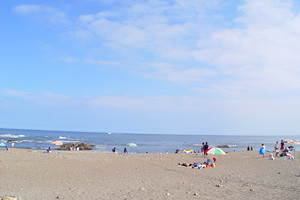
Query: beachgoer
(202, 148)
(205, 148)
(271, 157)
(214, 159)
(251, 148)
(125, 150)
(12, 145)
(282, 145)
(248, 148)
(184, 164)
(262, 150)
(208, 162)
(276, 149)
(114, 150)
(177, 151)
(49, 150)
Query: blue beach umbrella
(2, 144)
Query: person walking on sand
(262, 150)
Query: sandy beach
(105, 175)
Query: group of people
(204, 148)
(208, 163)
(285, 151)
(249, 148)
(114, 150)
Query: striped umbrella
(215, 150)
(288, 141)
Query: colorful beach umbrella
(131, 145)
(288, 141)
(215, 150)
(57, 143)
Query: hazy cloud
(48, 13)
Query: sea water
(146, 143)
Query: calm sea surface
(151, 143)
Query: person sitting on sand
(114, 150)
(271, 157)
(214, 159)
(208, 162)
(49, 150)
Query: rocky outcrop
(76, 145)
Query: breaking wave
(12, 136)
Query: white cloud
(186, 42)
(48, 13)
(86, 18)
(43, 99)
(262, 54)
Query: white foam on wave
(12, 136)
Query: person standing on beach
(276, 149)
(282, 145)
(205, 148)
(202, 147)
(262, 150)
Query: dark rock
(223, 146)
(72, 146)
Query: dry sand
(104, 175)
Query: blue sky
(156, 66)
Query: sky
(151, 66)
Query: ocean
(146, 143)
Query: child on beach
(262, 150)
(271, 157)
